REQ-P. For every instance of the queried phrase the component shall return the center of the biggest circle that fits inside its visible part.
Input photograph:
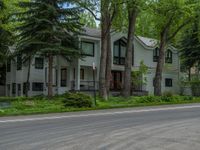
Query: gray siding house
(78, 74)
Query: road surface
(152, 128)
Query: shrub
(167, 94)
(195, 85)
(77, 100)
(7, 99)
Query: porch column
(77, 76)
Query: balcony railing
(85, 85)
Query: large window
(119, 52)
(63, 77)
(37, 86)
(87, 48)
(168, 56)
(19, 62)
(39, 63)
(155, 54)
(168, 82)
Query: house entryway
(116, 80)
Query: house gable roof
(148, 43)
(92, 32)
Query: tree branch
(178, 29)
(84, 5)
(93, 14)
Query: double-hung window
(63, 77)
(155, 54)
(87, 48)
(168, 82)
(39, 63)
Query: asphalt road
(153, 128)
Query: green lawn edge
(24, 113)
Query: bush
(167, 94)
(165, 98)
(195, 85)
(77, 100)
(148, 99)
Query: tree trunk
(105, 30)
(108, 63)
(132, 15)
(189, 74)
(102, 73)
(160, 65)
(50, 76)
(28, 77)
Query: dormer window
(168, 56)
(156, 54)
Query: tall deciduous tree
(108, 13)
(107, 10)
(51, 28)
(170, 17)
(125, 21)
(133, 8)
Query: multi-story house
(78, 74)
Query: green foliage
(163, 99)
(5, 34)
(190, 45)
(138, 77)
(170, 15)
(120, 21)
(145, 26)
(35, 105)
(77, 100)
(88, 20)
(47, 27)
(167, 93)
(195, 85)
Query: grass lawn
(26, 106)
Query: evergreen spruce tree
(5, 35)
(190, 52)
(49, 28)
